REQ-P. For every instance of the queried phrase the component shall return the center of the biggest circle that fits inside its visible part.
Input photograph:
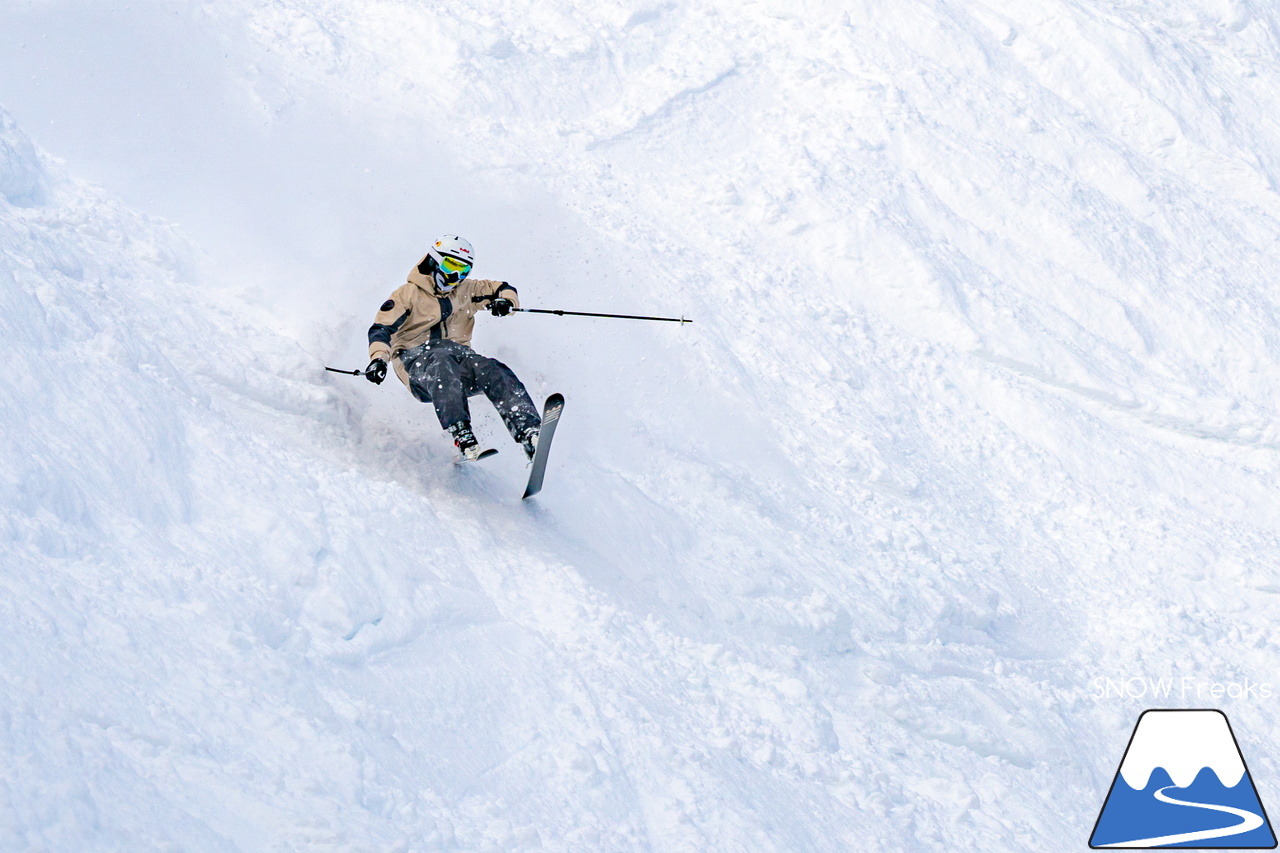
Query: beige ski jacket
(416, 314)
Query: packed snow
(977, 419)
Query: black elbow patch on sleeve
(388, 305)
(382, 332)
(379, 332)
(505, 286)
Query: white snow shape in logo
(1183, 743)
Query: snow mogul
(425, 328)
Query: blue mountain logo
(1183, 783)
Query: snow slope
(979, 406)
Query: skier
(426, 328)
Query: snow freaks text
(1186, 687)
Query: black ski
(550, 416)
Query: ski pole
(559, 313)
(345, 372)
(592, 314)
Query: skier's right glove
(501, 306)
(376, 371)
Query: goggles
(450, 264)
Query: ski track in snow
(979, 405)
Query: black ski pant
(446, 373)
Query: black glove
(376, 371)
(501, 306)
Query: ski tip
(556, 399)
(484, 454)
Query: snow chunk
(22, 179)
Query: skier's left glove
(501, 306)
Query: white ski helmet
(451, 259)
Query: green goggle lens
(451, 264)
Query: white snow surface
(1183, 742)
(979, 406)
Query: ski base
(550, 417)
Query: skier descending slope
(426, 328)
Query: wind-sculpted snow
(21, 180)
(979, 406)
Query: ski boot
(465, 440)
(529, 441)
